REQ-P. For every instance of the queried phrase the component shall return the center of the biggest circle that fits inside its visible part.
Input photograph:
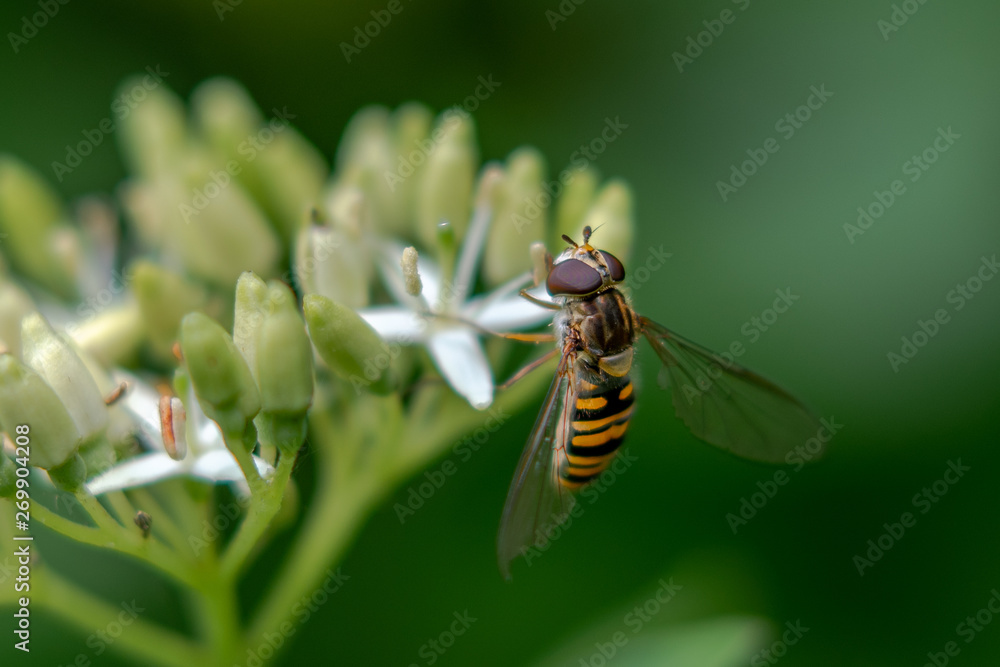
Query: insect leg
(539, 302)
(528, 368)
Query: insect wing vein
(536, 503)
(727, 405)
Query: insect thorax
(604, 328)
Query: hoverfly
(586, 412)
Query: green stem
(163, 523)
(110, 535)
(220, 617)
(123, 509)
(239, 449)
(151, 644)
(256, 522)
(347, 490)
(328, 531)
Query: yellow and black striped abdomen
(599, 421)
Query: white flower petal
(461, 360)
(138, 471)
(395, 324)
(142, 402)
(221, 466)
(511, 313)
(204, 435)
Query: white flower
(207, 457)
(444, 317)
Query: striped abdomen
(599, 421)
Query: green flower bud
(26, 399)
(251, 311)
(574, 202)
(113, 337)
(293, 173)
(203, 219)
(365, 160)
(219, 237)
(281, 170)
(222, 381)
(70, 475)
(612, 212)
(445, 189)
(519, 218)
(411, 131)
(163, 297)
(30, 215)
(226, 116)
(348, 345)
(98, 456)
(332, 260)
(14, 305)
(284, 432)
(63, 370)
(153, 136)
(284, 359)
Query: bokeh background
(783, 229)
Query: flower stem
(163, 523)
(123, 509)
(110, 535)
(219, 612)
(256, 522)
(241, 451)
(151, 644)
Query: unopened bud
(348, 344)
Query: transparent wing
(727, 405)
(536, 502)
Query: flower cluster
(251, 302)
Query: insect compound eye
(614, 266)
(572, 276)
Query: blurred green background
(666, 516)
